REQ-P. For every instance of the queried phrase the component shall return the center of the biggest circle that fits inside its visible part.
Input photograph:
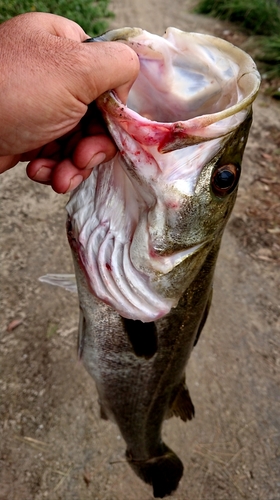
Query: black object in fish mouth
(142, 336)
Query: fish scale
(145, 231)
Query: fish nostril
(142, 336)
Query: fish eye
(225, 179)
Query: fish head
(142, 225)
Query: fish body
(145, 231)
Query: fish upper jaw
(155, 256)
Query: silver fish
(145, 231)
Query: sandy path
(53, 443)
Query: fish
(146, 227)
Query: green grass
(265, 50)
(89, 14)
(269, 56)
(258, 17)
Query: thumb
(93, 68)
(106, 66)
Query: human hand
(49, 80)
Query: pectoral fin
(67, 281)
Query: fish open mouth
(192, 92)
(198, 87)
(180, 81)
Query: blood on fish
(172, 204)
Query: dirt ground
(53, 444)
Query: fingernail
(75, 181)
(43, 174)
(96, 160)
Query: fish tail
(163, 472)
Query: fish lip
(166, 264)
(186, 250)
